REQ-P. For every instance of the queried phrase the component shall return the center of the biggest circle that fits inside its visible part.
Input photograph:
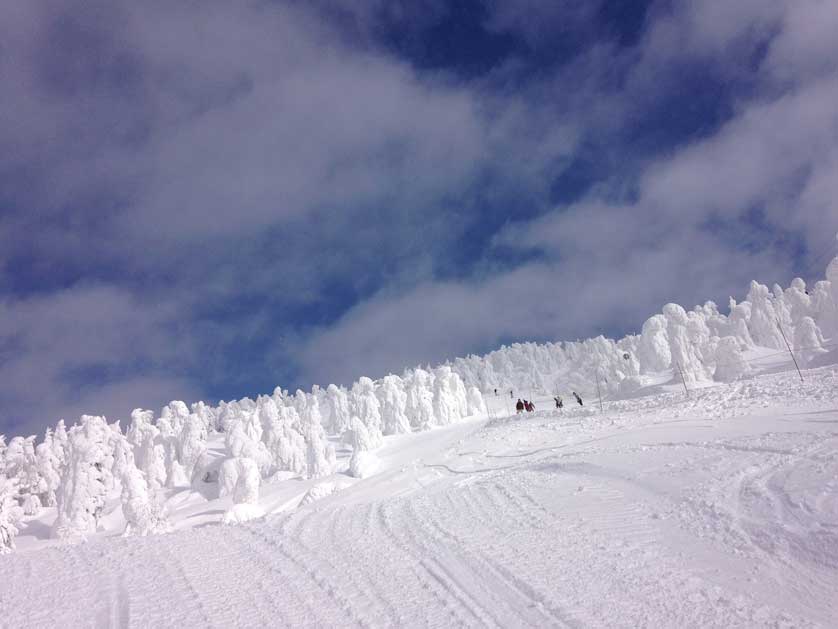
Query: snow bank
(321, 490)
(239, 513)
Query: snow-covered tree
(363, 462)
(738, 319)
(149, 451)
(192, 443)
(59, 441)
(782, 308)
(832, 278)
(419, 397)
(365, 406)
(823, 309)
(175, 414)
(653, 347)
(476, 403)
(683, 352)
(169, 425)
(808, 340)
(764, 318)
(207, 415)
(49, 469)
(320, 455)
(285, 444)
(699, 335)
(799, 301)
(339, 412)
(240, 444)
(450, 401)
(123, 452)
(141, 505)
(87, 477)
(392, 398)
(730, 364)
(358, 437)
(239, 477)
(627, 353)
(321, 459)
(10, 513)
(22, 464)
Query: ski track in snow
(717, 510)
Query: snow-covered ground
(717, 509)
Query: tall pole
(791, 353)
(683, 379)
(599, 395)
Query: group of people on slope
(560, 402)
(524, 405)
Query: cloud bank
(207, 201)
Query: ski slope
(715, 510)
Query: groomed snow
(715, 510)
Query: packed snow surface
(717, 509)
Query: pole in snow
(599, 395)
(791, 353)
(683, 379)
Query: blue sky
(205, 200)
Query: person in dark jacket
(578, 399)
(519, 407)
(559, 403)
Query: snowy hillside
(720, 509)
(704, 491)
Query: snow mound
(363, 464)
(243, 512)
(317, 492)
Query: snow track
(716, 511)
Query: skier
(532, 407)
(578, 399)
(559, 403)
(511, 396)
(519, 407)
(496, 392)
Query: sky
(205, 200)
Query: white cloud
(251, 154)
(610, 264)
(85, 349)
